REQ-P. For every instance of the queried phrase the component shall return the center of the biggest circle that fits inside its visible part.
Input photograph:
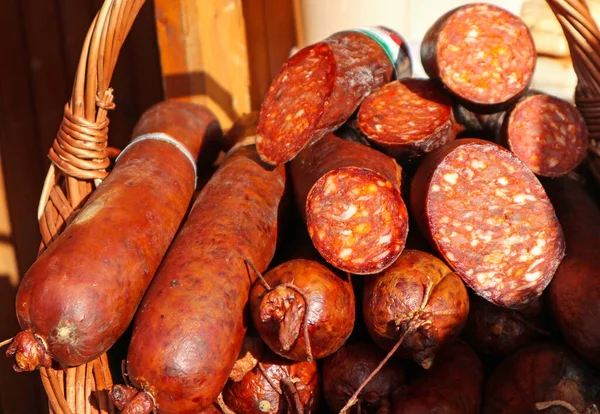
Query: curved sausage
(350, 197)
(420, 297)
(574, 292)
(345, 371)
(190, 326)
(305, 300)
(481, 53)
(80, 295)
(408, 118)
(489, 217)
(277, 386)
(319, 87)
(498, 331)
(541, 378)
(454, 385)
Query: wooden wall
(41, 44)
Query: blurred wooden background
(222, 53)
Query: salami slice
(489, 217)
(319, 87)
(482, 53)
(408, 118)
(350, 197)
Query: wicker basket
(81, 158)
(583, 38)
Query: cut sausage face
(491, 219)
(485, 54)
(297, 100)
(356, 220)
(548, 134)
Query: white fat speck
(478, 165)
(299, 113)
(435, 188)
(451, 178)
(378, 128)
(350, 211)
(468, 227)
(552, 162)
(534, 264)
(358, 260)
(519, 198)
(382, 255)
(385, 239)
(482, 277)
(474, 242)
(450, 256)
(330, 186)
(445, 220)
(529, 197)
(503, 181)
(380, 183)
(345, 253)
(538, 248)
(530, 277)
(473, 33)
(346, 232)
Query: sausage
(574, 289)
(252, 351)
(303, 310)
(481, 53)
(319, 87)
(277, 386)
(547, 133)
(349, 195)
(80, 295)
(454, 385)
(408, 118)
(497, 331)
(190, 326)
(420, 298)
(541, 378)
(489, 217)
(345, 371)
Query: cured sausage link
(350, 197)
(489, 217)
(190, 326)
(481, 53)
(319, 87)
(80, 295)
(408, 118)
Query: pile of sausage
(374, 243)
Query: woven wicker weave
(80, 159)
(583, 37)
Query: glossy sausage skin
(320, 87)
(191, 324)
(82, 292)
(255, 393)
(538, 373)
(344, 371)
(454, 385)
(280, 315)
(574, 294)
(418, 294)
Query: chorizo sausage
(575, 287)
(454, 385)
(541, 378)
(498, 331)
(346, 370)
(319, 87)
(277, 386)
(303, 310)
(408, 118)
(417, 297)
(481, 53)
(488, 215)
(73, 310)
(349, 195)
(190, 327)
(547, 133)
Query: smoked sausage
(489, 217)
(319, 87)
(346, 370)
(454, 385)
(349, 195)
(419, 297)
(305, 311)
(80, 295)
(408, 118)
(276, 386)
(541, 378)
(574, 294)
(481, 53)
(191, 325)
